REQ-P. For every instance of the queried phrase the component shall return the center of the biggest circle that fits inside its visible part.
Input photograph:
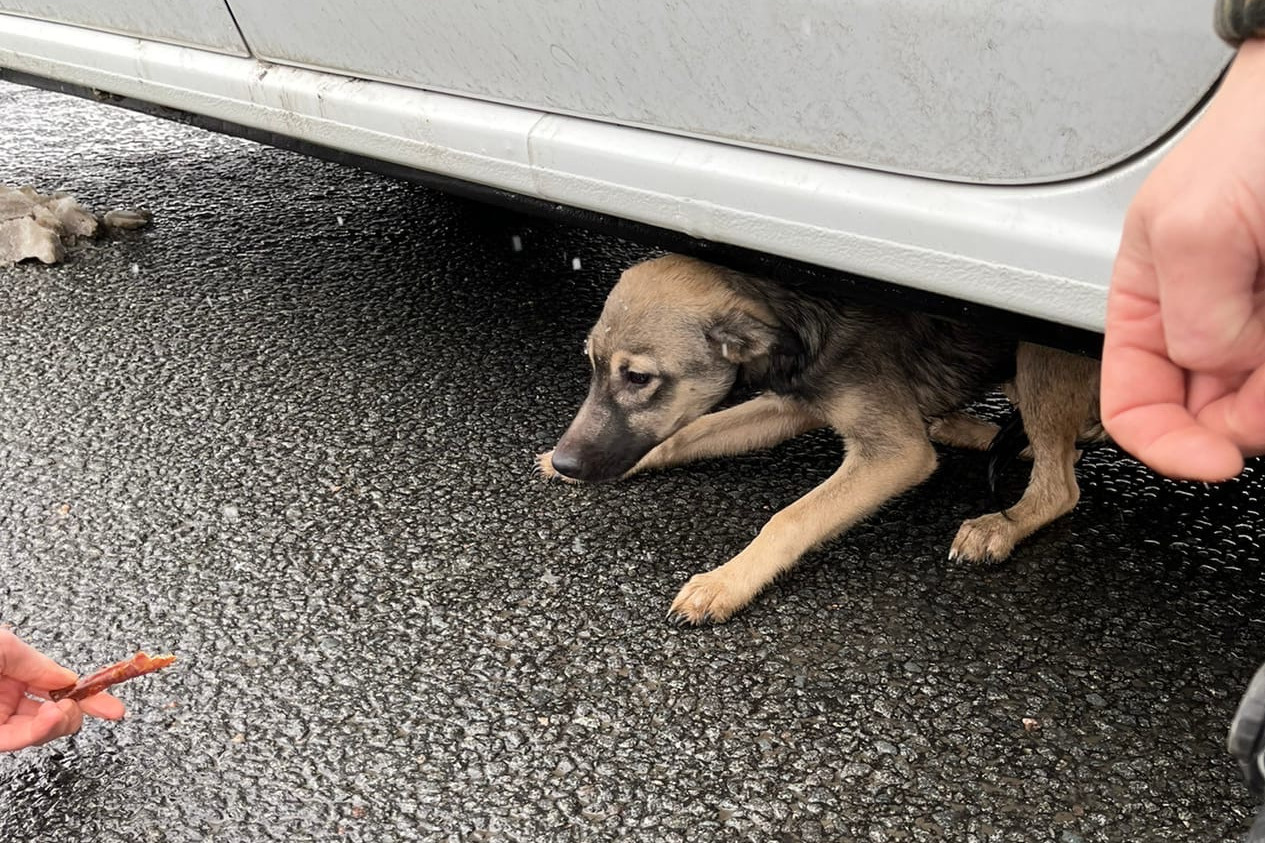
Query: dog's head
(668, 347)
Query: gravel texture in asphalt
(288, 432)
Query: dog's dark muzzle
(588, 467)
(599, 446)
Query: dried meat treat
(138, 665)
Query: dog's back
(840, 345)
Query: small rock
(41, 226)
(126, 219)
(855, 769)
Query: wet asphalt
(287, 433)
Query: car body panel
(998, 91)
(1039, 250)
(197, 23)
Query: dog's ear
(771, 357)
(741, 338)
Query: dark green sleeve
(1239, 20)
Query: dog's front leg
(867, 479)
(762, 422)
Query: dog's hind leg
(762, 422)
(962, 430)
(879, 465)
(1055, 392)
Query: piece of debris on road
(42, 226)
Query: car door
(196, 23)
(992, 91)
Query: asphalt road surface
(287, 433)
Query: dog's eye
(637, 378)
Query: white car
(982, 150)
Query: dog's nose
(567, 464)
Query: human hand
(27, 722)
(1183, 376)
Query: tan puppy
(676, 335)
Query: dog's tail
(1007, 445)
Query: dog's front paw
(544, 467)
(710, 597)
(989, 538)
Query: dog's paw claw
(544, 467)
(707, 598)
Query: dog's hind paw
(707, 598)
(989, 538)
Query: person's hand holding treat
(25, 721)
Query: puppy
(677, 334)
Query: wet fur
(889, 382)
